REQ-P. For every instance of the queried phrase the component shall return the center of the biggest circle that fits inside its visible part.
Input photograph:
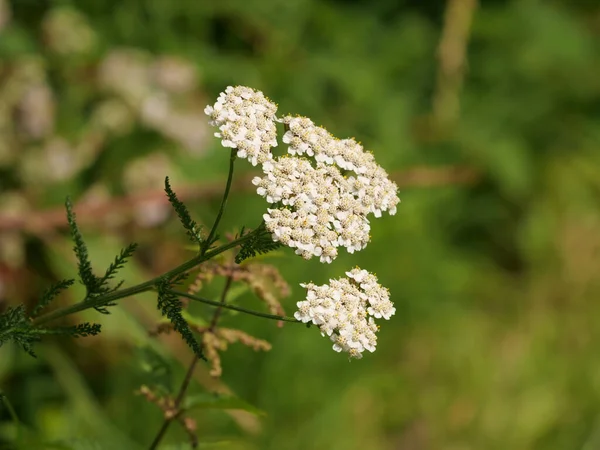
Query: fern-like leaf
(81, 330)
(103, 287)
(103, 283)
(119, 262)
(260, 243)
(50, 294)
(170, 306)
(84, 265)
(95, 286)
(14, 326)
(191, 227)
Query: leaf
(170, 306)
(15, 326)
(81, 330)
(156, 368)
(217, 401)
(95, 286)
(50, 294)
(194, 321)
(81, 252)
(261, 242)
(236, 291)
(118, 264)
(192, 228)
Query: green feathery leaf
(84, 265)
(171, 307)
(260, 243)
(50, 294)
(118, 264)
(191, 227)
(95, 286)
(81, 330)
(15, 326)
(103, 287)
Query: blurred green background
(486, 114)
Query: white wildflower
(246, 121)
(345, 311)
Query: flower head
(345, 310)
(369, 182)
(323, 191)
(246, 121)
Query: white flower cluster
(317, 215)
(322, 208)
(369, 184)
(345, 310)
(322, 192)
(246, 121)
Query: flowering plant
(321, 193)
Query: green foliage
(170, 306)
(114, 267)
(14, 325)
(103, 443)
(226, 444)
(84, 266)
(219, 401)
(17, 327)
(50, 294)
(260, 243)
(95, 286)
(157, 370)
(192, 229)
(81, 330)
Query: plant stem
(182, 390)
(213, 230)
(234, 308)
(188, 376)
(143, 287)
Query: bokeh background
(487, 114)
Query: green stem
(213, 230)
(190, 371)
(138, 289)
(233, 307)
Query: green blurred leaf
(217, 401)
(157, 369)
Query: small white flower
(344, 311)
